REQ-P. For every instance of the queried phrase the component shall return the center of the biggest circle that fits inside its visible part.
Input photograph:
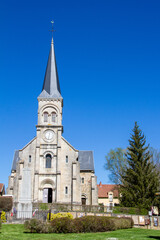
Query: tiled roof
(1, 187)
(104, 189)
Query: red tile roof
(104, 189)
(1, 187)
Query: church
(49, 169)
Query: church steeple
(51, 86)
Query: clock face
(49, 135)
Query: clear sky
(108, 57)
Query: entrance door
(83, 201)
(47, 195)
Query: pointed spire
(51, 86)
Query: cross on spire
(52, 22)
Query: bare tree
(116, 162)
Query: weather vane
(52, 28)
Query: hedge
(6, 203)
(79, 225)
(130, 210)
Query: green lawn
(16, 232)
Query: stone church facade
(49, 169)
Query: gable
(16, 157)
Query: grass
(16, 232)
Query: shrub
(3, 217)
(59, 215)
(101, 207)
(79, 225)
(89, 224)
(6, 204)
(123, 223)
(0, 223)
(61, 225)
(93, 224)
(36, 226)
(44, 206)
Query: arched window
(54, 115)
(48, 160)
(45, 116)
(30, 158)
(66, 190)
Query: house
(2, 189)
(108, 194)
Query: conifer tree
(140, 180)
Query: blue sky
(108, 57)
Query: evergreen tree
(140, 180)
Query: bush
(123, 223)
(6, 204)
(36, 226)
(61, 225)
(79, 225)
(59, 215)
(130, 210)
(44, 206)
(90, 224)
(93, 224)
(3, 217)
(0, 224)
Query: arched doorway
(48, 190)
(47, 195)
(83, 199)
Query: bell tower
(49, 132)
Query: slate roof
(15, 160)
(104, 189)
(86, 161)
(51, 86)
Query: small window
(82, 179)
(111, 197)
(30, 159)
(45, 116)
(66, 190)
(66, 159)
(48, 161)
(53, 117)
